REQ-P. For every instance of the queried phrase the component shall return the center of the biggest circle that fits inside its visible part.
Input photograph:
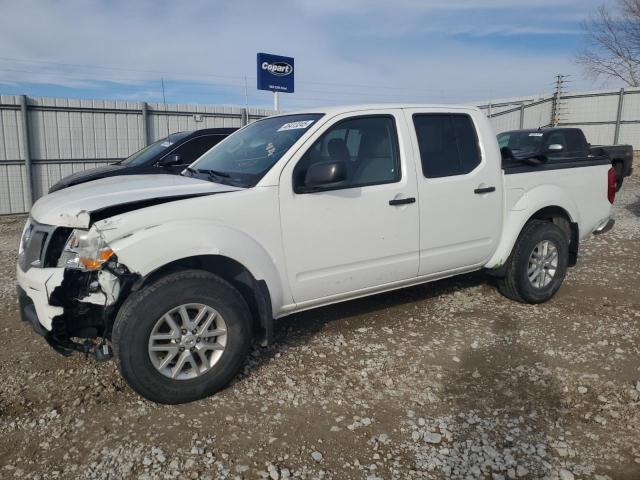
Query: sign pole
(276, 103)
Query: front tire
(182, 338)
(538, 264)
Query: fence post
(26, 149)
(616, 134)
(521, 116)
(145, 123)
(244, 117)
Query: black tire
(516, 284)
(138, 315)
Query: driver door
(363, 233)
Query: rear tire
(533, 274)
(146, 316)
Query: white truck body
(361, 244)
(318, 248)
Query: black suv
(171, 154)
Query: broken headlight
(84, 250)
(27, 232)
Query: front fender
(154, 246)
(521, 212)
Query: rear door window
(448, 144)
(576, 144)
(556, 138)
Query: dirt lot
(444, 380)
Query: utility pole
(166, 113)
(246, 94)
(556, 107)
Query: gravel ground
(446, 380)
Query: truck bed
(581, 185)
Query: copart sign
(275, 73)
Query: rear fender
(523, 210)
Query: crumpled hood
(72, 207)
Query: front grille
(56, 242)
(40, 244)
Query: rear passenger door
(459, 191)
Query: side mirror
(170, 160)
(323, 175)
(555, 148)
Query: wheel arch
(555, 214)
(561, 217)
(255, 292)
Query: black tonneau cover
(512, 166)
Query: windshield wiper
(219, 177)
(216, 173)
(216, 176)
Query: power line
(104, 67)
(240, 88)
(239, 78)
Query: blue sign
(275, 73)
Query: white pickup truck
(181, 273)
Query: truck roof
(337, 109)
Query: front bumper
(28, 312)
(34, 292)
(29, 315)
(63, 305)
(38, 285)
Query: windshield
(521, 142)
(148, 153)
(246, 156)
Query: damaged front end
(75, 307)
(90, 301)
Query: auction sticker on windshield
(295, 125)
(536, 134)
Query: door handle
(402, 201)
(482, 190)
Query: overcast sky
(346, 51)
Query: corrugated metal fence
(605, 116)
(45, 139)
